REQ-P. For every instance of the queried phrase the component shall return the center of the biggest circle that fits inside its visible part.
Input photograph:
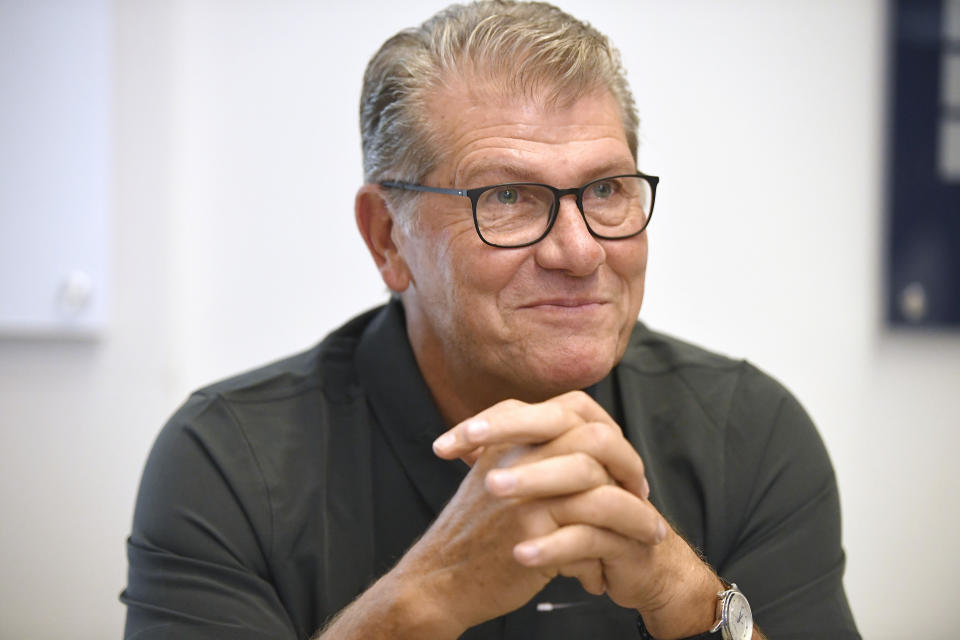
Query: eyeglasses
(519, 214)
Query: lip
(565, 303)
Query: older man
(501, 451)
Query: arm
(202, 551)
(787, 555)
(197, 568)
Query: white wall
(236, 159)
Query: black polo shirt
(271, 500)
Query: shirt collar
(405, 411)
(403, 406)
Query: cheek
(490, 274)
(629, 262)
(628, 257)
(464, 286)
(435, 263)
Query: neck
(461, 390)
(459, 387)
(459, 393)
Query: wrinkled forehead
(465, 101)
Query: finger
(589, 573)
(471, 457)
(571, 544)
(521, 423)
(603, 443)
(515, 422)
(584, 406)
(614, 509)
(551, 476)
(510, 421)
(626, 469)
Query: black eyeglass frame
(474, 195)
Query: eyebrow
(510, 172)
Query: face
(529, 323)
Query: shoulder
(654, 352)
(328, 366)
(260, 435)
(727, 391)
(264, 420)
(728, 447)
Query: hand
(466, 563)
(572, 457)
(575, 463)
(463, 567)
(569, 423)
(554, 489)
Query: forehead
(481, 132)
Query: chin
(561, 376)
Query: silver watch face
(738, 621)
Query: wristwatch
(734, 620)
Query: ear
(376, 225)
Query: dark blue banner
(923, 230)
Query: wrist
(419, 610)
(691, 608)
(393, 607)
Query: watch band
(645, 635)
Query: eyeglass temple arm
(407, 186)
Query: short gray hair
(526, 48)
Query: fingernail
(661, 531)
(500, 481)
(645, 489)
(444, 442)
(477, 429)
(526, 552)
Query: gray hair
(531, 49)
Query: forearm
(692, 610)
(391, 608)
(690, 587)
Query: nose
(569, 246)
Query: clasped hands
(554, 489)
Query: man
(500, 451)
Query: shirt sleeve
(787, 558)
(202, 531)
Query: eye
(601, 190)
(507, 196)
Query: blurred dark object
(923, 233)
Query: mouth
(561, 304)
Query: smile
(566, 304)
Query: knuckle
(587, 472)
(608, 495)
(576, 396)
(593, 512)
(574, 401)
(582, 460)
(554, 412)
(591, 508)
(581, 398)
(508, 405)
(598, 475)
(533, 522)
(598, 435)
(593, 539)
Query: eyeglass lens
(517, 214)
